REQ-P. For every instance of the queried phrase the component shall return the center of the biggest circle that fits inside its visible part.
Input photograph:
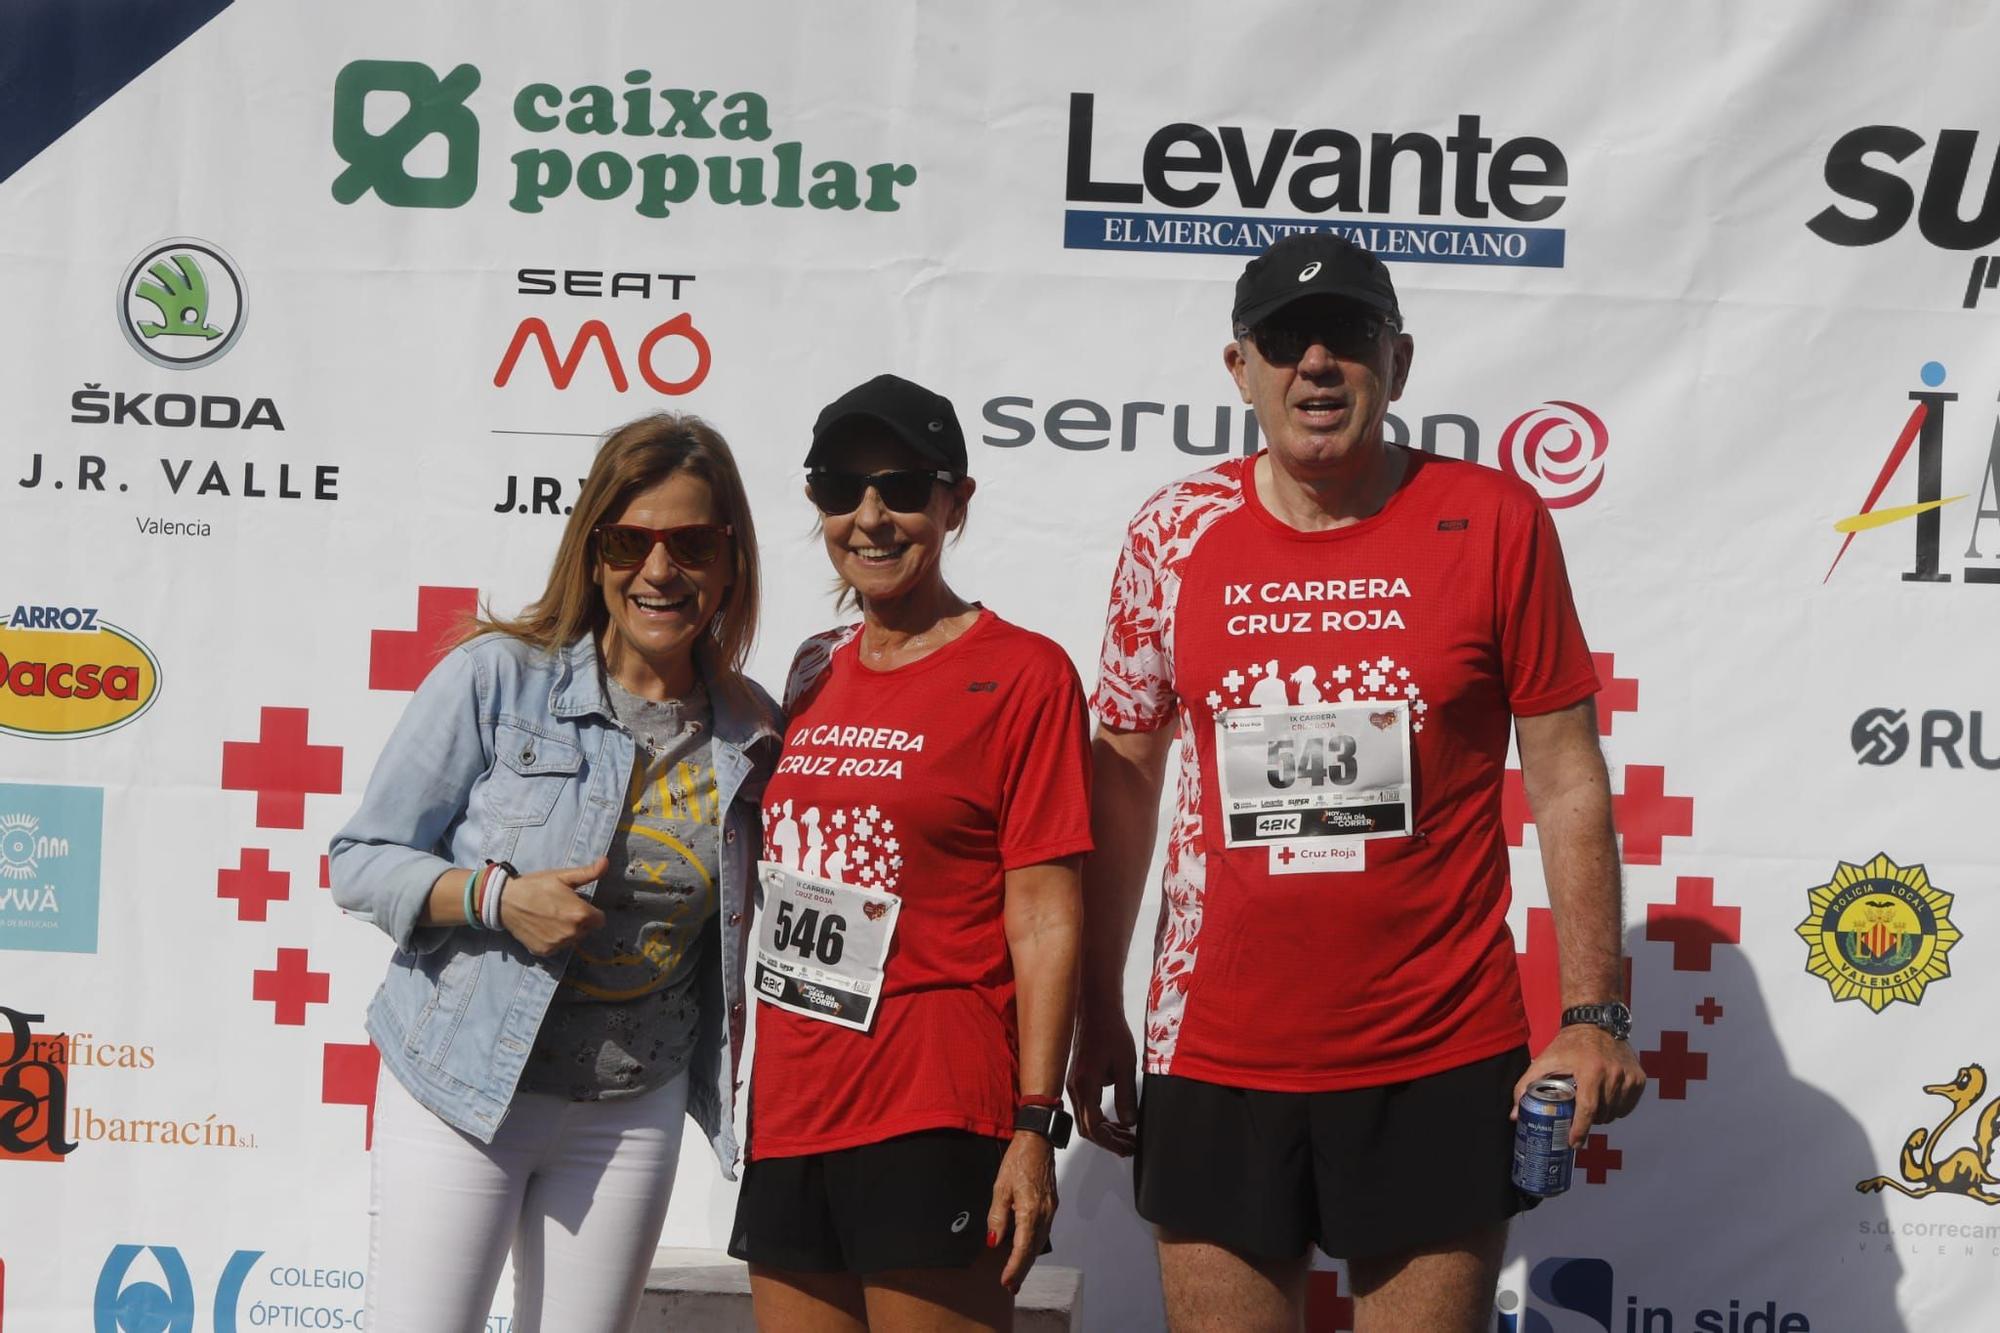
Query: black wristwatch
(1614, 1018)
(1051, 1122)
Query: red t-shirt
(980, 764)
(1452, 599)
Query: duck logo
(1967, 1172)
(1878, 933)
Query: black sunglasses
(1284, 337)
(693, 546)
(905, 490)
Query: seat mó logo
(1880, 737)
(1187, 166)
(182, 304)
(654, 182)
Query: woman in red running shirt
(917, 952)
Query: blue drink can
(1542, 1155)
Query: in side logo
(51, 842)
(1945, 738)
(1924, 429)
(127, 1304)
(1580, 1295)
(182, 303)
(1878, 932)
(1269, 183)
(1966, 1172)
(432, 106)
(1877, 200)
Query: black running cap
(913, 414)
(1315, 263)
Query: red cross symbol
(281, 768)
(1693, 924)
(1597, 1159)
(1708, 1011)
(1619, 694)
(399, 659)
(1541, 978)
(347, 1078)
(291, 986)
(1674, 1066)
(253, 884)
(1645, 814)
(1514, 812)
(325, 873)
(1327, 1311)
(1285, 856)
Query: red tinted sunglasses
(693, 546)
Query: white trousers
(578, 1191)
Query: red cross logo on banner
(290, 987)
(1620, 694)
(281, 768)
(1693, 924)
(1646, 815)
(1597, 1159)
(1514, 813)
(1674, 1066)
(253, 884)
(399, 659)
(1327, 1311)
(347, 1078)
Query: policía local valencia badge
(1879, 932)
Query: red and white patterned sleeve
(1135, 687)
(809, 664)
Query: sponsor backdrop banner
(315, 314)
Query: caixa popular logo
(65, 672)
(1877, 171)
(586, 142)
(158, 1295)
(1567, 1295)
(1256, 185)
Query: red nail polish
(992, 1239)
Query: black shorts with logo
(1358, 1173)
(914, 1201)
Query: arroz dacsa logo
(182, 303)
(65, 673)
(1879, 933)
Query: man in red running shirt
(1340, 632)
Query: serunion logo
(378, 162)
(182, 304)
(1558, 448)
(1880, 736)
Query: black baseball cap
(913, 414)
(1313, 263)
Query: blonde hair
(634, 458)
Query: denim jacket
(510, 753)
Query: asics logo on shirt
(958, 1223)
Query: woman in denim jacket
(559, 838)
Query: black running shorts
(915, 1201)
(1359, 1173)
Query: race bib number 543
(1314, 773)
(821, 946)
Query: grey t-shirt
(624, 1019)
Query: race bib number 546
(1314, 773)
(821, 946)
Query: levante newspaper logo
(1233, 190)
(1878, 932)
(586, 142)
